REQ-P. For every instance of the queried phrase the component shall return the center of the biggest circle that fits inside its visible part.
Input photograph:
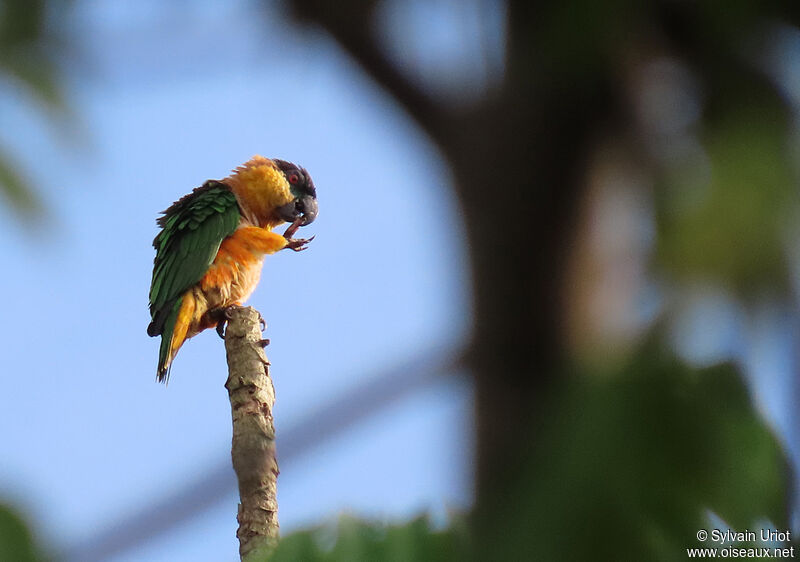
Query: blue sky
(165, 97)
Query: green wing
(191, 231)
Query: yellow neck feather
(260, 188)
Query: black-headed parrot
(212, 244)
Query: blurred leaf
(298, 546)
(16, 542)
(21, 21)
(24, 48)
(630, 462)
(730, 225)
(35, 71)
(26, 56)
(747, 477)
(16, 191)
(354, 540)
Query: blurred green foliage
(630, 462)
(27, 59)
(729, 224)
(16, 542)
(354, 540)
(627, 467)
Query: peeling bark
(252, 397)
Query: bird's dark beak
(310, 209)
(305, 206)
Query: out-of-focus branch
(351, 23)
(252, 397)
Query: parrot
(211, 247)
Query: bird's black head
(302, 188)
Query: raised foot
(297, 244)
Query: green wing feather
(191, 231)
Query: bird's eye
(294, 178)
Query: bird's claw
(225, 314)
(298, 244)
(222, 315)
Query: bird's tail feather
(164, 355)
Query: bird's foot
(221, 316)
(297, 244)
(221, 325)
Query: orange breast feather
(233, 276)
(231, 279)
